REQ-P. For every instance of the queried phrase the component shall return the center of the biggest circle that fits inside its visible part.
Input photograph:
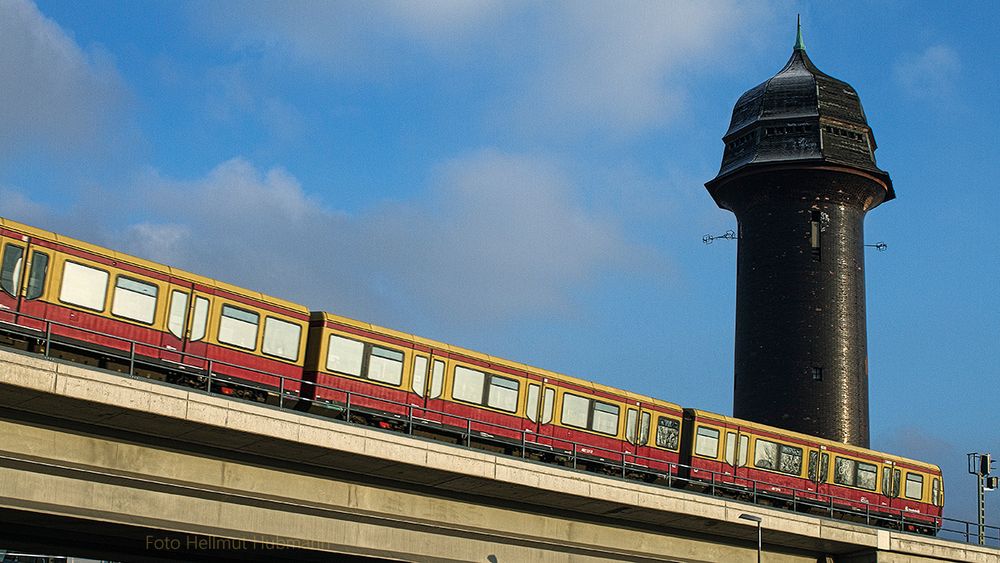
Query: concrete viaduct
(94, 463)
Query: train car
(127, 309)
(396, 379)
(800, 471)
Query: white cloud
(54, 94)
(623, 67)
(930, 74)
(497, 236)
(568, 67)
(344, 35)
(500, 234)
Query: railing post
(348, 414)
(209, 387)
(281, 392)
(48, 337)
(574, 455)
(410, 420)
(131, 357)
(623, 465)
(755, 491)
(524, 444)
(670, 474)
(468, 432)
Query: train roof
(629, 395)
(830, 444)
(154, 266)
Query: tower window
(815, 231)
(817, 373)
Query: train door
(12, 258)
(34, 276)
(637, 423)
(737, 446)
(891, 476)
(433, 399)
(178, 318)
(545, 430)
(195, 347)
(819, 474)
(419, 382)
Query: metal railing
(410, 418)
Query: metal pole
(760, 541)
(981, 494)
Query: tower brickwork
(799, 173)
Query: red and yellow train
(99, 306)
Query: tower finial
(799, 44)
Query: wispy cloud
(55, 95)
(622, 68)
(930, 74)
(495, 236)
(563, 68)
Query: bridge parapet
(80, 445)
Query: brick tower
(799, 173)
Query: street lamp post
(756, 520)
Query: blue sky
(520, 178)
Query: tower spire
(799, 44)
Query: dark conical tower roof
(800, 115)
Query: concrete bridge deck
(98, 463)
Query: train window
(502, 393)
(281, 339)
(867, 476)
(437, 379)
(605, 418)
(790, 460)
(135, 300)
(36, 278)
(844, 471)
(531, 408)
(83, 286)
(177, 314)
(895, 482)
(644, 429)
(813, 466)
(574, 410)
(385, 365)
(10, 272)
(238, 327)
(468, 385)
(548, 402)
(345, 355)
(473, 386)
(631, 424)
(744, 449)
(668, 432)
(199, 321)
(419, 381)
(936, 496)
(914, 486)
(765, 454)
(707, 442)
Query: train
(93, 305)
